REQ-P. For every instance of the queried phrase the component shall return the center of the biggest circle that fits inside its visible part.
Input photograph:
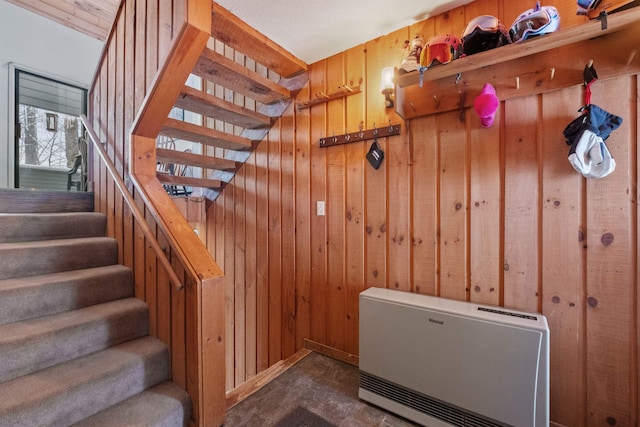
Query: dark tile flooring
(324, 386)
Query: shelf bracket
(359, 136)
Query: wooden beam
(230, 30)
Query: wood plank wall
(141, 38)
(495, 216)
(116, 95)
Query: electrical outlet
(320, 208)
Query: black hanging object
(375, 156)
(589, 74)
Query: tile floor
(325, 386)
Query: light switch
(320, 208)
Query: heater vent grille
(424, 404)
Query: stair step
(33, 201)
(49, 226)
(28, 297)
(188, 181)
(221, 70)
(163, 405)
(31, 345)
(70, 392)
(190, 159)
(52, 256)
(204, 135)
(230, 30)
(200, 102)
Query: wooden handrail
(137, 213)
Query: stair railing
(135, 210)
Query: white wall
(39, 45)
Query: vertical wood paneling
(250, 269)
(610, 270)
(239, 278)
(425, 165)
(140, 56)
(165, 29)
(229, 276)
(151, 283)
(563, 259)
(376, 180)
(318, 327)
(636, 249)
(262, 257)
(397, 157)
(178, 334)
(129, 80)
(453, 208)
(521, 213)
(275, 245)
(354, 197)
(303, 216)
(485, 212)
(335, 211)
(151, 35)
(288, 214)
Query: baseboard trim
(263, 378)
(325, 350)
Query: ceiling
(310, 30)
(92, 17)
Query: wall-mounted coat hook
(320, 97)
(361, 135)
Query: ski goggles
(529, 26)
(441, 52)
(484, 23)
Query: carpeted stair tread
(39, 343)
(31, 227)
(51, 256)
(28, 297)
(67, 393)
(165, 405)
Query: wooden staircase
(250, 92)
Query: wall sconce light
(387, 86)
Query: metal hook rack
(361, 135)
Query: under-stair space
(74, 341)
(243, 84)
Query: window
(48, 131)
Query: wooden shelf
(540, 65)
(568, 36)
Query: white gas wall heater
(443, 363)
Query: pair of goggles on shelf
(534, 22)
(443, 49)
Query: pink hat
(486, 104)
